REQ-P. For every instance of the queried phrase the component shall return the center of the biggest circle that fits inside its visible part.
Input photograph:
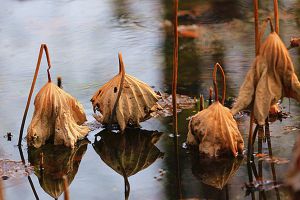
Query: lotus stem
(121, 64)
(276, 16)
(122, 72)
(66, 189)
(211, 90)
(201, 102)
(175, 67)
(218, 66)
(43, 47)
(257, 43)
(1, 190)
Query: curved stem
(218, 66)
(122, 72)
(121, 64)
(276, 16)
(43, 47)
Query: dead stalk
(66, 189)
(257, 43)
(175, 67)
(122, 72)
(276, 16)
(45, 48)
(218, 66)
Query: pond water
(84, 38)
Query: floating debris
(183, 102)
(14, 169)
(275, 160)
(261, 185)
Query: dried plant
(270, 78)
(214, 129)
(58, 117)
(124, 100)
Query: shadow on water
(129, 152)
(58, 161)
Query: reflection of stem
(250, 138)
(260, 139)
(126, 182)
(268, 136)
(43, 47)
(29, 178)
(175, 68)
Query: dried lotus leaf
(270, 78)
(124, 100)
(214, 129)
(57, 116)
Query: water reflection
(58, 161)
(128, 153)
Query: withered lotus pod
(58, 117)
(270, 78)
(124, 100)
(128, 153)
(53, 162)
(216, 172)
(214, 129)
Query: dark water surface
(84, 38)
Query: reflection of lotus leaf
(216, 172)
(128, 153)
(59, 161)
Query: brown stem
(218, 66)
(175, 67)
(276, 16)
(122, 72)
(257, 44)
(121, 64)
(66, 189)
(201, 102)
(1, 190)
(43, 47)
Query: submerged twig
(45, 48)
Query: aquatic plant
(58, 117)
(214, 129)
(124, 100)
